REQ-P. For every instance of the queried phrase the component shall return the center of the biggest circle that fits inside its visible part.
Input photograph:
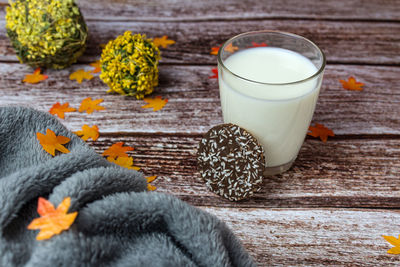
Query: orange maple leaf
(50, 142)
(36, 77)
(320, 131)
(117, 150)
(96, 65)
(254, 44)
(90, 105)
(231, 48)
(149, 180)
(156, 103)
(395, 242)
(352, 84)
(81, 74)
(163, 41)
(126, 162)
(214, 50)
(88, 132)
(52, 221)
(215, 76)
(59, 110)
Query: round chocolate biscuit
(231, 162)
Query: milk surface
(277, 115)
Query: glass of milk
(269, 84)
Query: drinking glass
(269, 83)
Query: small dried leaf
(36, 77)
(395, 242)
(126, 162)
(44, 207)
(163, 41)
(231, 48)
(52, 221)
(117, 150)
(88, 132)
(214, 50)
(90, 105)
(50, 142)
(96, 65)
(149, 180)
(81, 74)
(151, 187)
(320, 131)
(215, 76)
(352, 84)
(156, 103)
(59, 110)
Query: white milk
(277, 115)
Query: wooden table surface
(340, 197)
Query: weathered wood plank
(194, 106)
(343, 42)
(339, 173)
(172, 10)
(320, 237)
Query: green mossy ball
(46, 33)
(129, 65)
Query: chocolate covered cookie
(231, 162)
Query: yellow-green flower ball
(129, 65)
(46, 33)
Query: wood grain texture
(194, 106)
(172, 10)
(339, 173)
(286, 222)
(316, 237)
(342, 42)
(304, 217)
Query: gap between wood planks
(334, 203)
(382, 136)
(234, 19)
(181, 11)
(203, 64)
(328, 209)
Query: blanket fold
(119, 222)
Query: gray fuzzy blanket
(119, 222)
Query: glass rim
(318, 72)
